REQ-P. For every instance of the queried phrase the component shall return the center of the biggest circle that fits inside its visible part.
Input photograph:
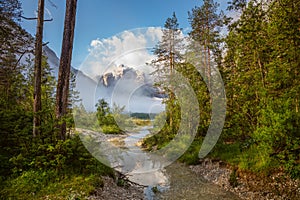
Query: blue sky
(100, 19)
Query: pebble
(276, 186)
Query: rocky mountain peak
(122, 72)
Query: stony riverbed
(276, 186)
(208, 180)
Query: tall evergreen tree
(12, 48)
(168, 52)
(261, 67)
(246, 58)
(206, 25)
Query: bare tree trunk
(62, 91)
(171, 70)
(37, 104)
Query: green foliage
(260, 70)
(84, 119)
(190, 157)
(111, 129)
(15, 125)
(46, 168)
(159, 121)
(143, 115)
(206, 22)
(141, 122)
(229, 152)
(103, 112)
(69, 156)
(47, 184)
(262, 92)
(105, 117)
(161, 133)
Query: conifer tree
(168, 52)
(12, 47)
(206, 25)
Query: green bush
(41, 184)
(55, 170)
(111, 129)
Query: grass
(77, 180)
(230, 153)
(252, 159)
(47, 185)
(190, 157)
(141, 122)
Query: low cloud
(131, 48)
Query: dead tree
(37, 104)
(62, 91)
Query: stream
(174, 182)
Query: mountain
(129, 79)
(124, 86)
(53, 61)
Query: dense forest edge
(258, 57)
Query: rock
(111, 191)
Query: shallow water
(176, 181)
(146, 172)
(173, 182)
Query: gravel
(111, 191)
(276, 186)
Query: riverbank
(117, 190)
(248, 185)
(244, 184)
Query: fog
(129, 90)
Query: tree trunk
(62, 91)
(37, 104)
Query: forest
(257, 54)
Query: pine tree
(246, 58)
(206, 25)
(261, 70)
(169, 56)
(14, 43)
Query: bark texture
(62, 91)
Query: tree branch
(34, 18)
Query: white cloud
(131, 48)
(95, 43)
(155, 34)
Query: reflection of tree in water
(138, 166)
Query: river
(176, 181)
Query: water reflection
(139, 166)
(147, 171)
(173, 182)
